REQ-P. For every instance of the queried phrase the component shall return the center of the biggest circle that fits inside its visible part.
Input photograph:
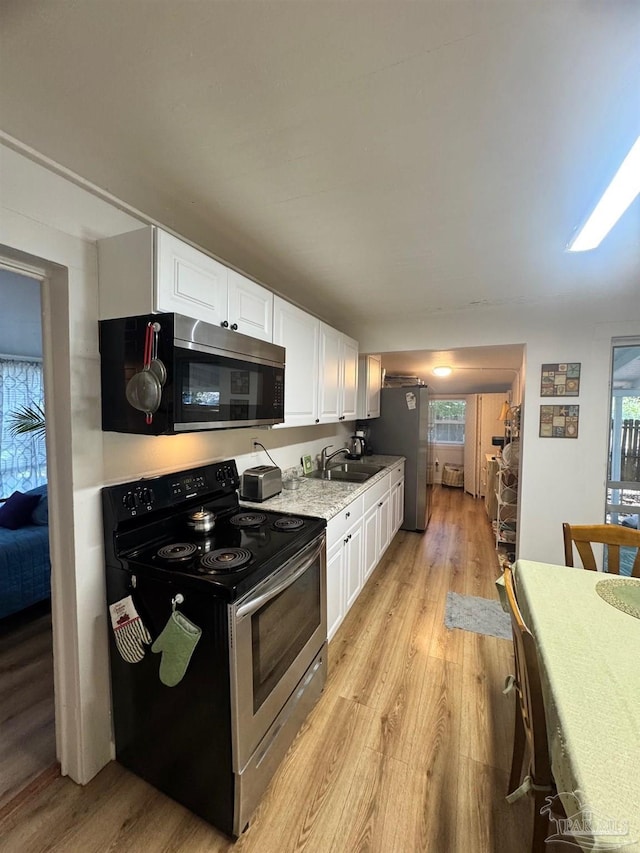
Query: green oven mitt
(177, 641)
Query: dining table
(589, 658)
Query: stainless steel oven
(275, 632)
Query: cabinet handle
(380, 504)
(225, 324)
(345, 541)
(234, 326)
(349, 536)
(317, 420)
(347, 515)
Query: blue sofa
(25, 567)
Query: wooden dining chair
(612, 536)
(530, 733)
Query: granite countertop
(323, 498)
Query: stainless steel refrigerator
(403, 430)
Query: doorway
(27, 716)
(623, 470)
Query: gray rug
(480, 615)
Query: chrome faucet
(324, 457)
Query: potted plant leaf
(28, 419)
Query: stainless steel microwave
(163, 374)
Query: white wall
(561, 479)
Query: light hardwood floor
(408, 749)
(27, 736)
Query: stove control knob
(145, 496)
(129, 501)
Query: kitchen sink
(347, 472)
(357, 468)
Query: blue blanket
(25, 568)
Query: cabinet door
(250, 307)
(349, 379)
(369, 383)
(384, 522)
(374, 381)
(298, 332)
(335, 590)
(398, 506)
(370, 542)
(330, 371)
(188, 281)
(353, 564)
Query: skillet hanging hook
(176, 600)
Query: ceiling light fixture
(442, 371)
(617, 197)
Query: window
(447, 421)
(23, 460)
(623, 486)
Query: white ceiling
(366, 158)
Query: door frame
(54, 301)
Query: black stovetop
(152, 534)
(230, 559)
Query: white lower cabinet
(356, 540)
(353, 563)
(344, 563)
(397, 499)
(335, 587)
(376, 533)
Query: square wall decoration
(559, 421)
(560, 380)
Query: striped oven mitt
(128, 629)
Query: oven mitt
(177, 641)
(129, 631)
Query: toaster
(260, 483)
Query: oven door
(276, 630)
(218, 390)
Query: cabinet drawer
(375, 493)
(340, 523)
(397, 473)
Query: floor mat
(480, 615)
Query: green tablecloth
(590, 664)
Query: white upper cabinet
(189, 282)
(330, 374)
(369, 382)
(299, 333)
(349, 389)
(338, 384)
(150, 270)
(321, 372)
(250, 307)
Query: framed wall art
(559, 421)
(560, 380)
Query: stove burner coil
(288, 523)
(248, 519)
(225, 559)
(177, 551)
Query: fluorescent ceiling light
(442, 371)
(622, 190)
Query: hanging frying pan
(144, 389)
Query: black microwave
(209, 377)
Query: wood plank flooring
(408, 749)
(27, 735)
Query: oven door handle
(256, 603)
